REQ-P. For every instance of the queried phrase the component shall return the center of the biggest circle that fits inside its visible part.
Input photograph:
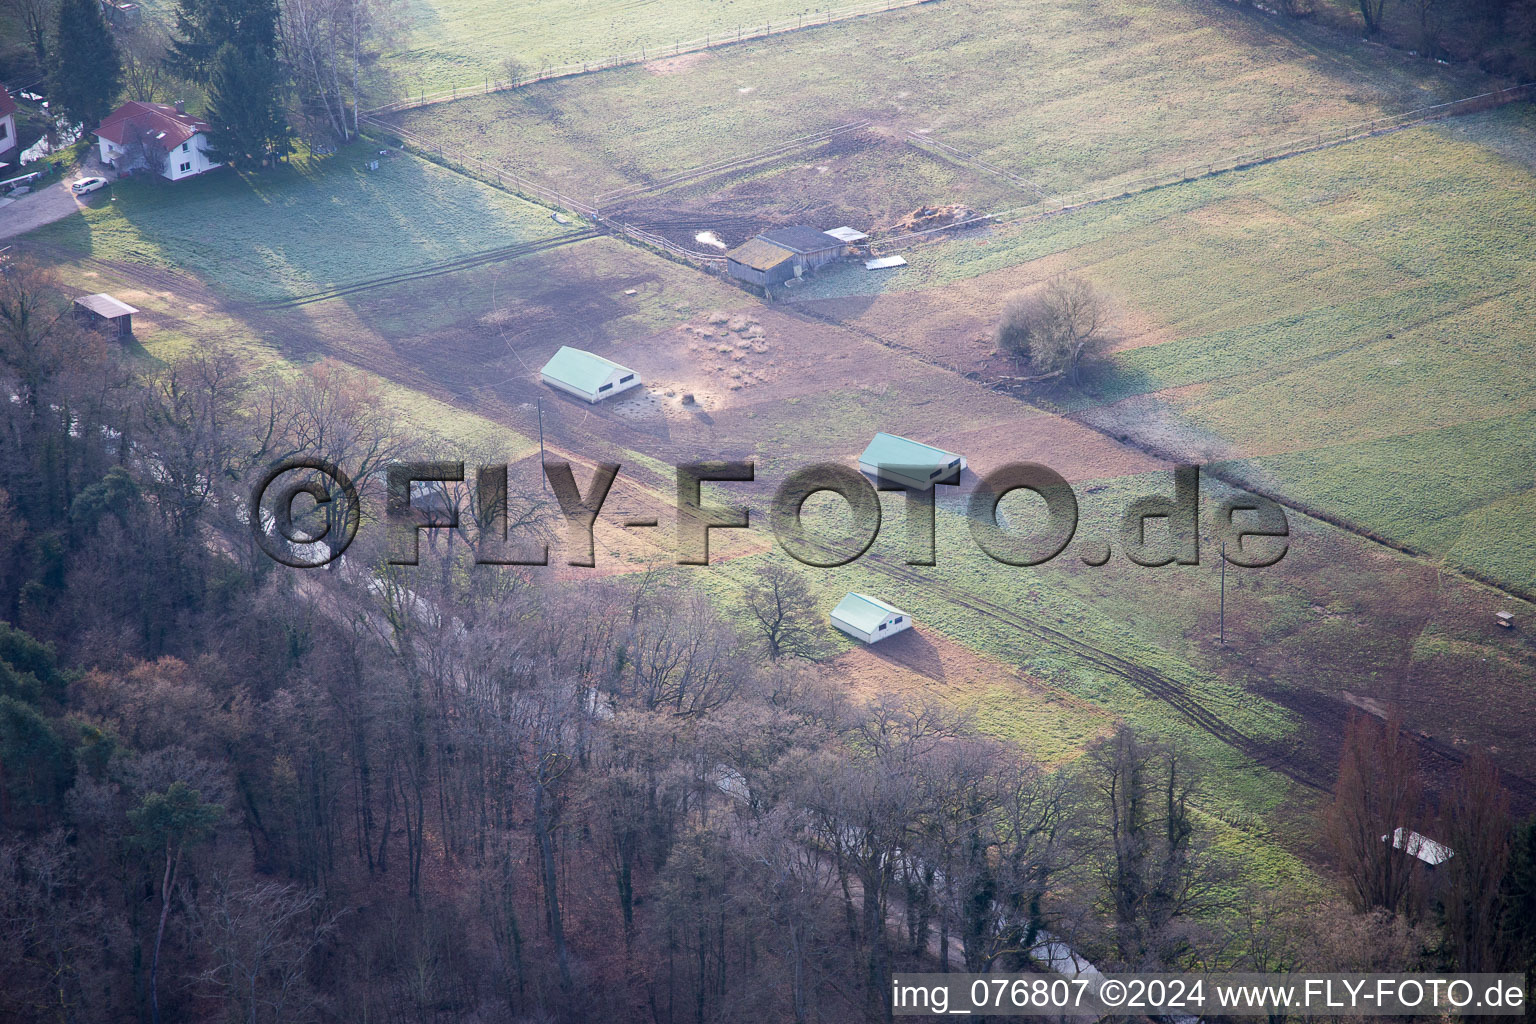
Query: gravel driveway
(51, 203)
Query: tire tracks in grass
(1320, 710)
(1148, 681)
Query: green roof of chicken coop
(864, 612)
(580, 369)
(900, 452)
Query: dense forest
(234, 790)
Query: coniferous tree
(203, 27)
(230, 46)
(86, 73)
(243, 108)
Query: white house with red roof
(8, 141)
(166, 139)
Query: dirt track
(489, 371)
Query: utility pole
(1223, 592)
(544, 480)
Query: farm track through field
(478, 259)
(1148, 681)
(143, 275)
(1321, 710)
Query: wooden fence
(1291, 146)
(521, 183)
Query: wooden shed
(760, 262)
(774, 257)
(811, 248)
(104, 313)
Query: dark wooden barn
(104, 313)
(775, 256)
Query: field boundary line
(1208, 167)
(465, 262)
(499, 175)
(533, 191)
(948, 152)
(710, 41)
(736, 163)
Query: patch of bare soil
(864, 179)
(678, 65)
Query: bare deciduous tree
(36, 18)
(1157, 876)
(337, 414)
(260, 936)
(1052, 332)
(189, 413)
(782, 612)
(143, 48)
(323, 45)
(1372, 11)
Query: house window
(185, 168)
(605, 387)
(184, 146)
(626, 380)
(5, 130)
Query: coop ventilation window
(626, 380)
(605, 387)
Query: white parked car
(84, 185)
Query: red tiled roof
(7, 105)
(160, 121)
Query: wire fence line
(490, 172)
(521, 183)
(709, 41)
(949, 152)
(737, 163)
(1290, 146)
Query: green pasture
(1066, 92)
(305, 226)
(1355, 324)
(462, 43)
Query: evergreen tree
(203, 27)
(1520, 899)
(243, 107)
(86, 73)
